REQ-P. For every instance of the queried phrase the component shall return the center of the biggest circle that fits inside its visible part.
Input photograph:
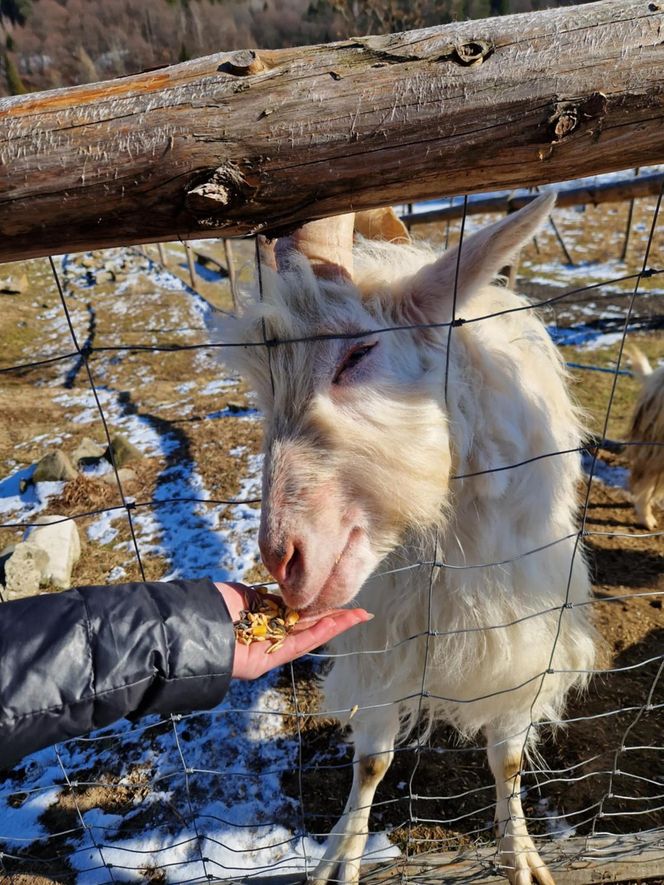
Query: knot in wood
(210, 197)
(576, 117)
(563, 121)
(474, 52)
(242, 63)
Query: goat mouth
(327, 596)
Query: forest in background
(49, 43)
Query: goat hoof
(521, 863)
(340, 874)
(337, 870)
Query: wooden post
(561, 241)
(628, 226)
(232, 280)
(190, 264)
(239, 143)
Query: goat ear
(482, 256)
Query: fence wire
(143, 800)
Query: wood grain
(575, 861)
(237, 143)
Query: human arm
(78, 660)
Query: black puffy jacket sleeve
(74, 661)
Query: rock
(87, 451)
(123, 451)
(24, 571)
(54, 467)
(59, 538)
(4, 556)
(14, 285)
(234, 406)
(125, 474)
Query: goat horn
(381, 224)
(328, 244)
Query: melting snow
(227, 762)
(608, 474)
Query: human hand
(252, 661)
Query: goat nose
(285, 562)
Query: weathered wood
(593, 195)
(230, 267)
(190, 265)
(242, 142)
(576, 861)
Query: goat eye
(352, 359)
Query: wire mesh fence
(117, 342)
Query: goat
(386, 442)
(646, 462)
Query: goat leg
(643, 493)
(519, 858)
(374, 734)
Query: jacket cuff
(199, 641)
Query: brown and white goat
(382, 435)
(646, 462)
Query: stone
(4, 556)
(87, 451)
(24, 571)
(14, 285)
(53, 467)
(125, 474)
(59, 538)
(123, 451)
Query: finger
(307, 621)
(298, 644)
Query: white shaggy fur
(490, 639)
(646, 477)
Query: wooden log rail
(588, 195)
(238, 143)
(575, 861)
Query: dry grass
(150, 385)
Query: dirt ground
(616, 726)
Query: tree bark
(239, 143)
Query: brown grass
(631, 627)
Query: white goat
(646, 462)
(379, 450)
